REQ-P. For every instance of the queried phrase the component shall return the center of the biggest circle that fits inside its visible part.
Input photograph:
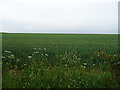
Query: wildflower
(44, 48)
(63, 58)
(25, 65)
(60, 79)
(46, 54)
(7, 63)
(11, 56)
(68, 86)
(85, 64)
(118, 62)
(18, 60)
(84, 67)
(29, 57)
(65, 65)
(7, 51)
(36, 52)
(74, 80)
(48, 86)
(34, 48)
(3, 57)
(98, 55)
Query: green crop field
(60, 61)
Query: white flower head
(84, 67)
(44, 48)
(34, 48)
(68, 86)
(3, 57)
(29, 57)
(65, 65)
(46, 54)
(74, 80)
(36, 52)
(7, 51)
(85, 63)
(12, 55)
(63, 58)
(118, 62)
(25, 64)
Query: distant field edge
(62, 33)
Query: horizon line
(56, 33)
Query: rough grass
(60, 60)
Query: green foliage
(65, 61)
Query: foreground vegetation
(59, 60)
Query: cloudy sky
(67, 16)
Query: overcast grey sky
(77, 16)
